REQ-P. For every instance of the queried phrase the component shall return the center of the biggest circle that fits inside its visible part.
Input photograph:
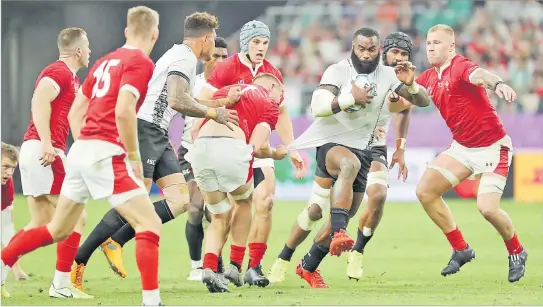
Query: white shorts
(259, 163)
(100, 169)
(8, 229)
(36, 179)
(495, 158)
(221, 163)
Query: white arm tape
(413, 88)
(321, 103)
(345, 100)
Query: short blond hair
(141, 20)
(68, 37)
(200, 23)
(442, 27)
(9, 151)
(268, 76)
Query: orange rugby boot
(114, 255)
(341, 242)
(314, 279)
(76, 275)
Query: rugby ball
(362, 81)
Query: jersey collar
(253, 71)
(129, 47)
(439, 70)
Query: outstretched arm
(484, 78)
(180, 100)
(415, 94)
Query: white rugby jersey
(186, 139)
(178, 60)
(353, 129)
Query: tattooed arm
(420, 97)
(180, 100)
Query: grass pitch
(402, 265)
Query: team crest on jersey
(241, 82)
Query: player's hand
(280, 152)
(48, 154)
(398, 157)
(298, 163)
(137, 166)
(405, 72)
(506, 92)
(362, 96)
(393, 97)
(227, 117)
(380, 133)
(233, 95)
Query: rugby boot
(255, 277)
(114, 255)
(233, 275)
(314, 279)
(5, 293)
(341, 242)
(213, 282)
(354, 265)
(76, 275)
(458, 259)
(278, 271)
(196, 274)
(517, 265)
(68, 292)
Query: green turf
(402, 265)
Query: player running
(10, 158)
(175, 69)
(241, 68)
(42, 155)
(397, 48)
(344, 139)
(104, 161)
(229, 170)
(480, 148)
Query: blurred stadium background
(504, 36)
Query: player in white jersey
(397, 48)
(194, 231)
(169, 92)
(351, 101)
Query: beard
(365, 67)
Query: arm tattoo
(420, 99)
(180, 100)
(490, 80)
(334, 90)
(217, 103)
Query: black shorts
(157, 155)
(379, 154)
(364, 156)
(184, 165)
(258, 176)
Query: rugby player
(229, 170)
(344, 131)
(481, 148)
(241, 68)
(42, 156)
(397, 48)
(104, 161)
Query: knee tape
(320, 196)
(304, 221)
(491, 184)
(245, 195)
(220, 207)
(379, 177)
(446, 173)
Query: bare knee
(425, 193)
(487, 211)
(264, 204)
(349, 167)
(314, 212)
(377, 196)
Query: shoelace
(79, 275)
(317, 278)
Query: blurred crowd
(505, 37)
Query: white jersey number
(101, 74)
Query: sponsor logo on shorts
(151, 162)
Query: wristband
(134, 156)
(211, 113)
(413, 88)
(346, 101)
(401, 143)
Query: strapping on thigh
(450, 176)
(491, 183)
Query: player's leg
(8, 231)
(491, 187)
(447, 170)
(319, 202)
(373, 211)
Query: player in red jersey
(10, 157)
(104, 161)
(42, 152)
(229, 170)
(241, 68)
(481, 147)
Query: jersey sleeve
(463, 68)
(58, 77)
(86, 87)
(136, 76)
(219, 78)
(184, 67)
(422, 79)
(270, 115)
(334, 75)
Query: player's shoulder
(57, 68)
(460, 59)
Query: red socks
(237, 253)
(456, 239)
(256, 253)
(513, 245)
(66, 251)
(211, 261)
(147, 259)
(25, 242)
